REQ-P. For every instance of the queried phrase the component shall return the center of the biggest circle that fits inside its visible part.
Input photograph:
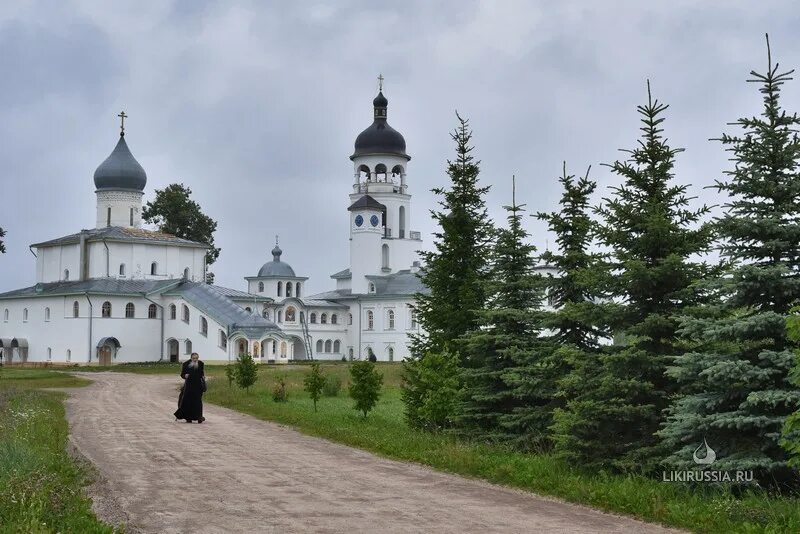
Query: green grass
(41, 487)
(384, 432)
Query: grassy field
(384, 432)
(41, 487)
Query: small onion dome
(380, 138)
(276, 267)
(120, 171)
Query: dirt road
(235, 473)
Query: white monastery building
(119, 293)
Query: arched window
(350, 353)
(313, 318)
(25, 314)
(203, 326)
(402, 222)
(290, 314)
(248, 309)
(328, 345)
(363, 173)
(319, 345)
(223, 340)
(261, 287)
(266, 314)
(106, 310)
(130, 310)
(242, 347)
(47, 314)
(256, 348)
(280, 316)
(280, 289)
(349, 318)
(370, 320)
(297, 289)
(76, 309)
(334, 318)
(185, 314)
(186, 273)
(323, 318)
(380, 172)
(283, 349)
(384, 257)
(337, 346)
(391, 354)
(49, 354)
(288, 289)
(391, 319)
(188, 346)
(154, 268)
(122, 269)
(173, 311)
(69, 355)
(152, 312)
(66, 274)
(412, 312)
(5, 314)
(371, 287)
(397, 170)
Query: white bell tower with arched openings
(380, 167)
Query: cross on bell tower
(122, 116)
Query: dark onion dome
(120, 171)
(380, 138)
(276, 267)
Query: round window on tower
(359, 220)
(374, 220)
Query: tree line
(650, 347)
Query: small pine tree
(737, 385)
(246, 371)
(314, 382)
(230, 373)
(279, 393)
(365, 385)
(438, 380)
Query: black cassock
(190, 401)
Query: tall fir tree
(615, 401)
(455, 272)
(576, 319)
(508, 337)
(738, 392)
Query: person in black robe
(190, 400)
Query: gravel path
(235, 473)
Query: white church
(119, 293)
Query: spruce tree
(615, 402)
(456, 270)
(507, 339)
(738, 392)
(455, 273)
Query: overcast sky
(255, 105)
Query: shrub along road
(235, 473)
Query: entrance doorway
(107, 350)
(173, 347)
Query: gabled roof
(93, 286)
(222, 309)
(235, 294)
(119, 233)
(342, 274)
(401, 283)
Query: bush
(279, 393)
(313, 383)
(365, 385)
(431, 388)
(246, 372)
(332, 386)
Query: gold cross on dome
(122, 117)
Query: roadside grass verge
(41, 487)
(20, 377)
(385, 432)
